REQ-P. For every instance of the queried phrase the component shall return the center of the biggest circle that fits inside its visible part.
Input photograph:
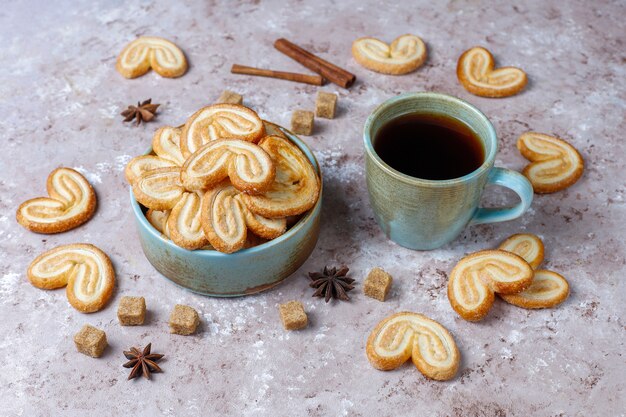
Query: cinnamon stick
(331, 72)
(290, 76)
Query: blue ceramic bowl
(247, 271)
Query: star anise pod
(331, 282)
(142, 362)
(143, 112)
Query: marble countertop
(60, 104)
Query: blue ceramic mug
(426, 214)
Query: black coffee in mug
(429, 146)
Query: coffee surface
(429, 146)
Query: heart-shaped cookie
(547, 290)
(296, 186)
(183, 223)
(220, 121)
(226, 220)
(526, 245)
(272, 129)
(158, 220)
(405, 54)
(146, 52)
(410, 335)
(166, 144)
(475, 70)
(137, 166)
(159, 189)
(475, 279)
(248, 166)
(555, 164)
(85, 269)
(71, 202)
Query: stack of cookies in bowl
(224, 182)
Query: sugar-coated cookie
(475, 279)
(220, 121)
(159, 189)
(555, 164)
(405, 54)
(296, 187)
(183, 223)
(411, 335)
(144, 163)
(166, 144)
(246, 164)
(476, 72)
(146, 52)
(547, 290)
(158, 220)
(86, 270)
(526, 245)
(226, 220)
(71, 202)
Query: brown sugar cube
(131, 311)
(293, 316)
(183, 320)
(377, 284)
(230, 97)
(325, 105)
(302, 122)
(90, 341)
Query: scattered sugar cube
(90, 341)
(184, 320)
(302, 122)
(230, 97)
(377, 284)
(325, 105)
(293, 316)
(131, 311)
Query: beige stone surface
(60, 99)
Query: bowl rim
(204, 253)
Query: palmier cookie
(476, 277)
(71, 202)
(272, 129)
(142, 164)
(226, 220)
(410, 335)
(296, 186)
(159, 189)
(405, 54)
(183, 223)
(85, 269)
(526, 245)
(547, 290)
(475, 70)
(166, 144)
(147, 52)
(158, 220)
(220, 121)
(248, 166)
(555, 164)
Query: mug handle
(514, 181)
